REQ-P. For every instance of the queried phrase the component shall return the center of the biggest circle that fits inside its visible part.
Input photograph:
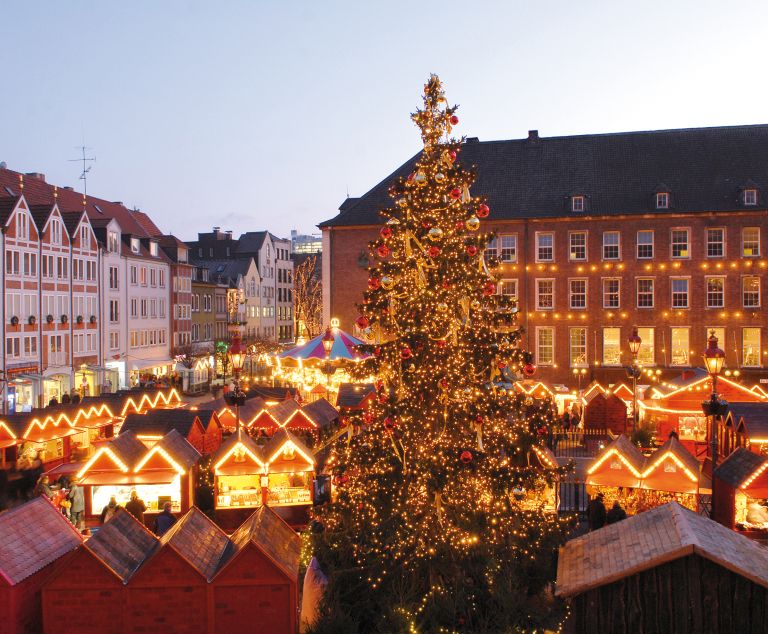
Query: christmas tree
(440, 520)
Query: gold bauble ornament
(442, 307)
(502, 391)
(387, 283)
(411, 368)
(439, 177)
(395, 254)
(402, 202)
(395, 221)
(420, 178)
(475, 305)
(473, 223)
(435, 233)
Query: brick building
(597, 234)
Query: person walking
(164, 520)
(616, 514)
(43, 487)
(109, 510)
(136, 506)
(596, 513)
(77, 498)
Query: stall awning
(155, 476)
(50, 432)
(143, 364)
(29, 377)
(9, 442)
(233, 469)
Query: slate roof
(161, 421)
(704, 169)
(271, 393)
(240, 436)
(200, 542)
(41, 213)
(755, 417)
(629, 450)
(352, 395)
(179, 449)
(284, 410)
(225, 271)
(321, 412)
(650, 539)
(32, 536)
(737, 467)
(250, 243)
(123, 544)
(71, 220)
(270, 533)
(128, 448)
(279, 438)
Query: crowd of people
(598, 516)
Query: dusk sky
(253, 115)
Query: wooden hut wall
(594, 412)
(688, 595)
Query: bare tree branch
(308, 297)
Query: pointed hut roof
(271, 535)
(737, 468)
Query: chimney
(472, 139)
(69, 188)
(216, 230)
(229, 234)
(533, 136)
(36, 175)
(118, 202)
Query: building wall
(203, 331)
(284, 290)
(181, 302)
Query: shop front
(55, 386)
(24, 391)
(290, 468)
(741, 493)
(150, 372)
(115, 377)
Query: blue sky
(255, 114)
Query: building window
(750, 242)
(611, 293)
(143, 275)
(680, 243)
(509, 248)
(114, 282)
(134, 275)
(680, 346)
(578, 246)
(715, 243)
(113, 242)
(491, 250)
(577, 294)
(645, 292)
(750, 290)
(662, 200)
(22, 226)
(680, 292)
(645, 245)
(611, 246)
(577, 203)
(715, 292)
(750, 349)
(750, 196)
(611, 346)
(545, 294)
(545, 247)
(578, 347)
(508, 288)
(135, 245)
(545, 346)
(114, 340)
(647, 353)
(114, 312)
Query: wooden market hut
(741, 481)
(151, 426)
(45, 443)
(290, 467)
(124, 402)
(672, 468)
(33, 537)
(289, 415)
(665, 570)
(322, 413)
(744, 425)
(272, 394)
(354, 397)
(172, 586)
(224, 412)
(87, 593)
(255, 415)
(620, 464)
(265, 564)
(605, 410)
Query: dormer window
(134, 245)
(113, 241)
(182, 255)
(153, 249)
(577, 203)
(84, 236)
(55, 231)
(662, 200)
(750, 196)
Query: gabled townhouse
(244, 300)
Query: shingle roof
(250, 242)
(352, 395)
(179, 449)
(71, 221)
(674, 446)
(629, 450)
(755, 417)
(704, 169)
(650, 539)
(32, 536)
(127, 447)
(41, 213)
(284, 410)
(278, 439)
(225, 271)
(198, 540)
(145, 222)
(161, 421)
(240, 436)
(321, 412)
(737, 467)
(271, 393)
(123, 544)
(269, 532)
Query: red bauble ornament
(455, 193)
(483, 211)
(459, 226)
(386, 232)
(489, 289)
(374, 283)
(441, 343)
(471, 250)
(362, 322)
(426, 224)
(454, 120)
(445, 284)
(383, 251)
(479, 420)
(376, 351)
(368, 417)
(434, 252)
(466, 456)
(452, 156)
(443, 383)
(406, 353)
(501, 365)
(389, 423)
(529, 369)
(383, 397)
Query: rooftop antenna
(86, 168)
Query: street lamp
(328, 341)
(714, 359)
(634, 342)
(237, 353)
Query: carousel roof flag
(343, 349)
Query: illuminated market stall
(741, 493)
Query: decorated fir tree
(439, 522)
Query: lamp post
(714, 359)
(236, 353)
(634, 342)
(328, 341)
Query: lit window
(715, 292)
(715, 243)
(611, 346)
(545, 247)
(720, 334)
(680, 346)
(611, 293)
(750, 242)
(578, 347)
(578, 246)
(153, 249)
(545, 294)
(491, 250)
(680, 243)
(509, 248)
(662, 200)
(545, 345)
(645, 292)
(647, 353)
(750, 350)
(577, 203)
(750, 196)
(611, 246)
(645, 245)
(680, 292)
(750, 287)
(508, 288)
(578, 294)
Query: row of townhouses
(97, 298)
(595, 235)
